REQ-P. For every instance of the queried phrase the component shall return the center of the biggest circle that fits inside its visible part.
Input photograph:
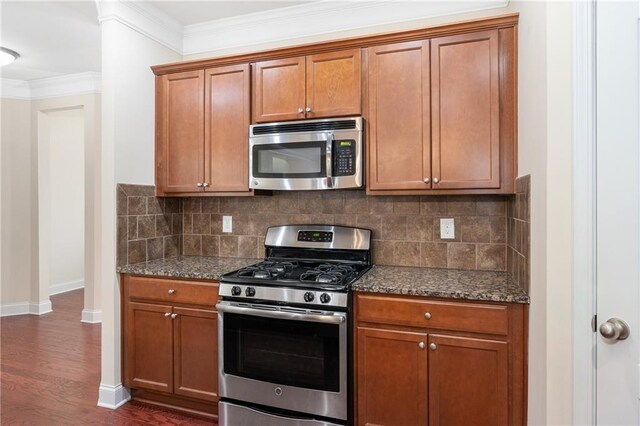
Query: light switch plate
(447, 229)
(227, 224)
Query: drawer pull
(171, 291)
(433, 347)
(167, 315)
(173, 316)
(427, 315)
(421, 345)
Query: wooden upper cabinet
(468, 381)
(465, 111)
(334, 83)
(226, 128)
(399, 125)
(314, 86)
(279, 92)
(180, 127)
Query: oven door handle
(337, 318)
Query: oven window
(290, 160)
(295, 353)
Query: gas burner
(267, 269)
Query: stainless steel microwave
(307, 155)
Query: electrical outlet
(447, 229)
(227, 224)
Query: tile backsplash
(519, 233)
(406, 230)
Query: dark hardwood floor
(50, 373)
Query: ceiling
(63, 37)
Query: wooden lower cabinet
(170, 344)
(411, 374)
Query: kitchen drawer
(173, 291)
(474, 317)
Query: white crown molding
(65, 287)
(52, 87)
(91, 317)
(318, 18)
(145, 19)
(112, 397)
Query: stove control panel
(301, 297)
(315, 236)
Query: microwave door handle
(329, 160)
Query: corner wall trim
(112, 397)
(40, 308)
(64, 287)
(91, 317)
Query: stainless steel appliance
(283, 328)
(304, 155)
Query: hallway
(50, 373)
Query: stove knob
(250, 292)
(235, 290)
(308, 297)
(325, 298)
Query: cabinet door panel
(465, 111)
(399, 127)
(392, 377)
(334, 83)
(227, 119)
(196, 353)
(180, 162)
(468, 381)
(149, 348)
(279, 90)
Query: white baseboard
(64, 287)
(11, 309)
(40, 308)
(91, 317)
(112, 397)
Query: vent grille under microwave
(301, 126)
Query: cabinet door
(279, 93)
(334, 83)
(468, 381)
(227, 119)
(465, 111)
(399, 128)
(180, 139)
(392, 377)
(149, 347)
(196, 353)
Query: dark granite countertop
(446, 283)
(200, 267)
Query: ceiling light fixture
(7, 56)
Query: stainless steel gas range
(284, 328)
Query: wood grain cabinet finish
(202, 127)
(170, 347)
(413, 372)
(314, 86)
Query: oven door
(288, 358)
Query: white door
(618, 210)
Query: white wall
(66, 188)
(127, 156)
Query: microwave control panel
(344, 152)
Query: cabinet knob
(167, 314)
(427, 315)
(427, 180)
(206, 184)
(171, 291)
(199, 184)
(436, 180)
(300, 110)
(421, 345)
(173, 316)
(432, 346)
(308, 109)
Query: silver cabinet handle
(427, 315)
(427, 180)
(421, 345)
(433, 347)
(308, 109)
(167, 314)
(614, 329)
(436, 180)
(171, 291)
(173, 316)
(300, 110)
(199, 184)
